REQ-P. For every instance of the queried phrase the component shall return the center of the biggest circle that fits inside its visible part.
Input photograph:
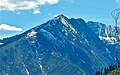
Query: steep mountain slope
(60, 46)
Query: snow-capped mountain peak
(55, 48)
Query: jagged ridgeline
(61, 46)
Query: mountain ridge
(69, 42)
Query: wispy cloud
(5, 27)
(12, 5)
(37, 11)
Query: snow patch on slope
(111, 40)
(1, 43)
(43, 72)
(25, 69)
(67, 24)
(32, 34)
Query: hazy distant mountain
(60, 46)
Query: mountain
(61, 46)
(105, 32)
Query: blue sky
(17, 16)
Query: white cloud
(37, 11)
(12, 5)
(5, 27)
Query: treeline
(106, 70)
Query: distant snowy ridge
(107, 33)
(110, 40)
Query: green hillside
(115, 72)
